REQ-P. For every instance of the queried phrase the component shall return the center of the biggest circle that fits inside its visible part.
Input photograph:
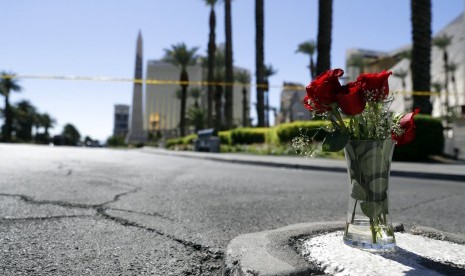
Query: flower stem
(373, 231)
(353, 212)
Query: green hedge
(429, 140)
(288, 131)
(249, 135)
(225, 137)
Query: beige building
(162, 106)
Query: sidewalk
(440, 171)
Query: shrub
(288, 131)
(115, 141)
(225, 137)
(429, 140)
(248, 135)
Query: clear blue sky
(98, 38)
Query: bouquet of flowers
(362, 124)
(365, 103)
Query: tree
(308, 48)
(196, 117)
(260, 60)
(47, 122)
(71, 135)
(182, 56)
(437, 87)
(8, 83)
(24, 119)
(269, 71)
(442, 42)
(195, 94)
(219, 78)
(325, 22)
(211, 61)
(421, 53)
(243, 77)
(229, 65)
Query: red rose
(351, 100)
(322, 91)
(408, 127)
(375, 86)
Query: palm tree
(269, 71)
(442, 42)
(25, 115)
(195, 94)
(421, 53)
(8, 83)
(47, 122)
(211, 60)
(308, 48)
(196, 117)
(229, 65)
(402, 74)
(219, 78)
(243, 77)
(325, 22)
(260, 60)
(182, 56)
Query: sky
(89, 38)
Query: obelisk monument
(136, 132)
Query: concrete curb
(276, 252)
(244, 159)
(273, 252)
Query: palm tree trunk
(184, 78)
(259, 60)
(218, 105)
(421, 53)
(211, 66)
(8, 119)
(229, 65)
(445, 58)
(325, 18)
(244, 107)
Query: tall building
(292, 108)
(162, 103)
(136, 133)
(121, 120)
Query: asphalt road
(85, 211)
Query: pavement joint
(153, 214)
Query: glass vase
(368, 224)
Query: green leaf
(385, 207)
(378, 185)
(370, 209)
(357, 191)
(335, 141)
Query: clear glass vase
(368, 224)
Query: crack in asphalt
(196, 246)
(101, 211)
(154, 214)
(5, 219)
(426, 202)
